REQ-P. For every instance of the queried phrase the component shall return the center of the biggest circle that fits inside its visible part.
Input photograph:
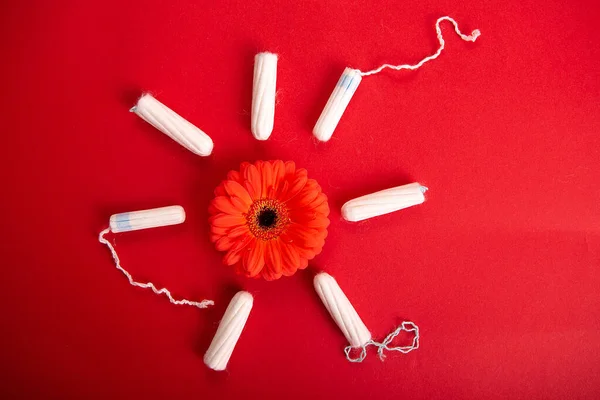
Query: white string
(202, 304)
(469, 38)
(406, 326)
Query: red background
(499, 267)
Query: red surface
(499, 267)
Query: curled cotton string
(469, 38)
(148, 285)
(230, 328)
(406, 326)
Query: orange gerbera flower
(270, 218)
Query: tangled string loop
(406, 326)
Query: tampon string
(468, 38)
(146, 219)
(351, 78)
(406, 326)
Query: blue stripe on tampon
(122, 216)
(355, 82)
(122, 221)
(350, 83)
(343, 79)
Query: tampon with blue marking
(337, 103)
(173, 125)
(144, 219)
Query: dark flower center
(267, 217)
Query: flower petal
(297, 184)
(283, 189)
(303, 236)
(307, 195)
(242, 243)
(238, 231)
(290, 168)
(251, 191)
(243, 167)
(224, 243)
(235, 189)
(220, 190)
(267, 179)
(254, 258)
(305, 253)
(290, 259)
(322, 208)
(303, 263)
(212, 210)
(227, 221)
(278, 176)
(225, 205)
(273, 269)
(235, 176)
(240, 204)
(319, 223)
(232, 257)
(234, 254)
(253, 182)
(320, 199)
(218, 230)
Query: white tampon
(383, 202)
(263, 95)
(229, 330)
(173, 125)
(153, 218)
(341, 310)
(337, 103)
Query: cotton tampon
(263, 95)
(144, 219)
(383, 202)
(355, 331)
(229, 331)
(337, 103)
(173, 125)
(341, 310)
